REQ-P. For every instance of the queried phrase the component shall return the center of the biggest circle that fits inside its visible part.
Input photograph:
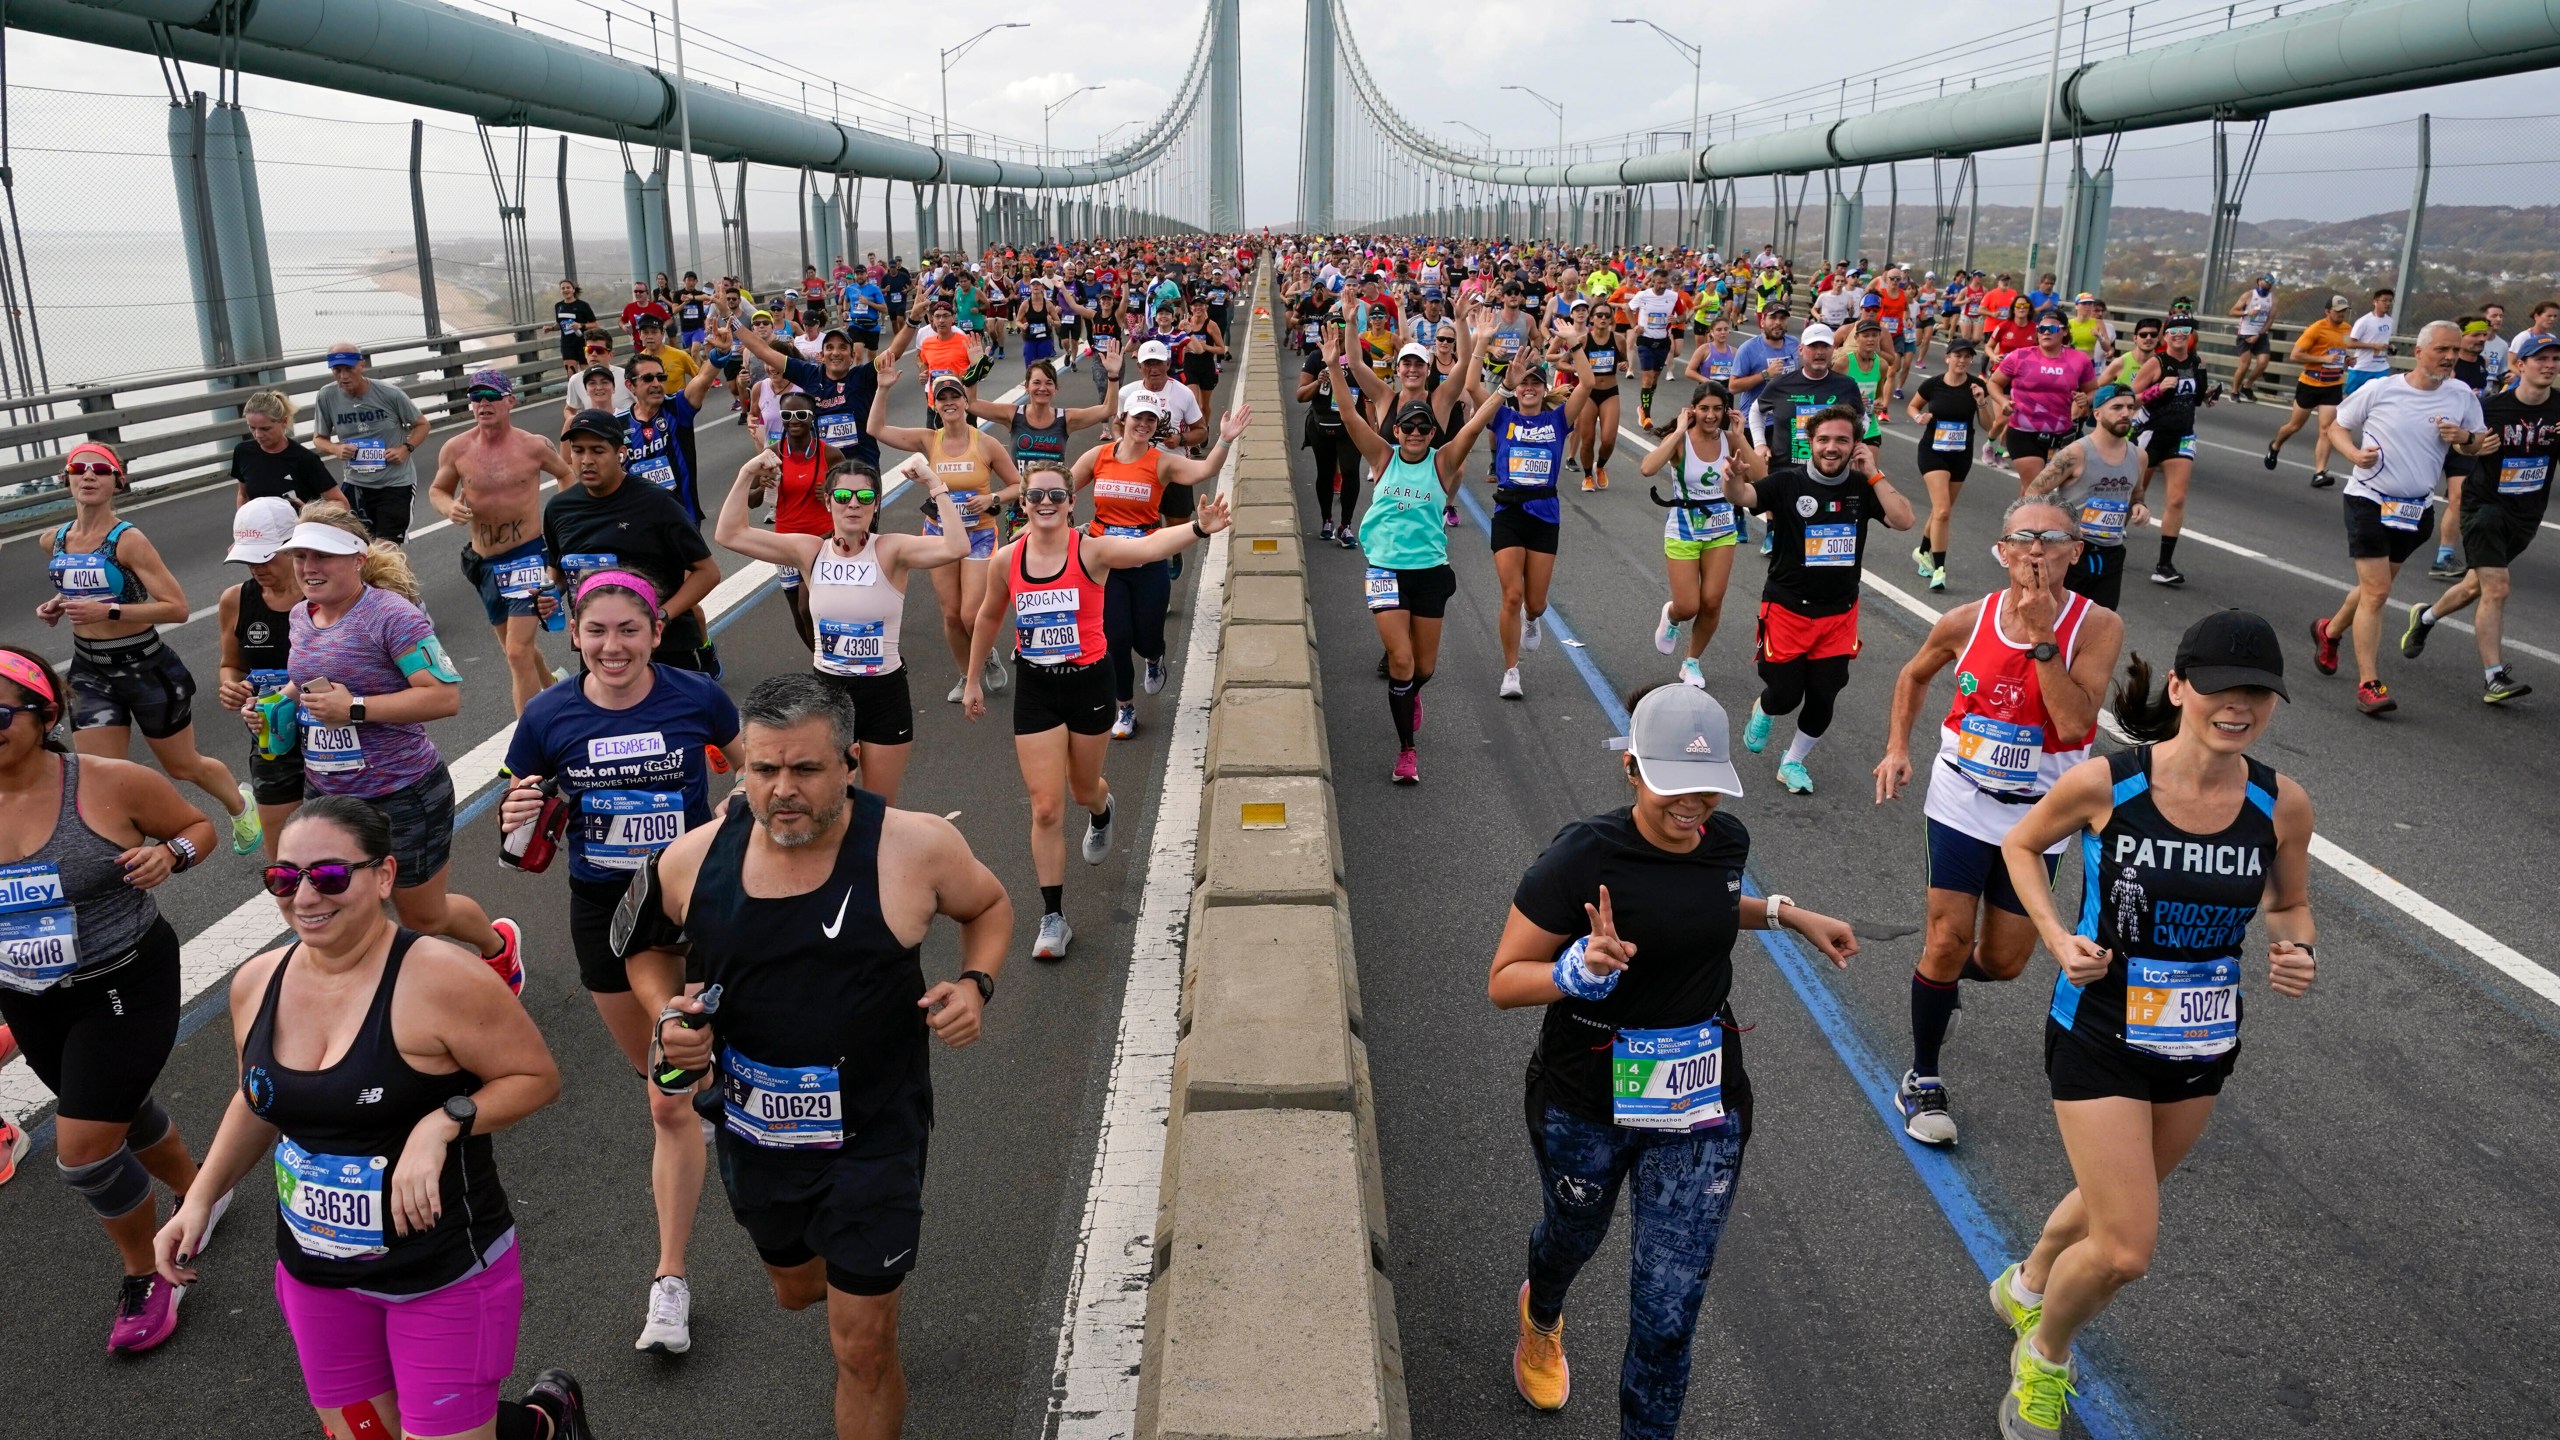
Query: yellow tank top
(965, 474)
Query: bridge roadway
(2362, 1244)
(1011, 1159)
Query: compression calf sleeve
(1400, 695)
(1933, 1008)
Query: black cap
(1961, 346)
(603, 424)
(647, 320)
(2229, 649)
(1417, 411)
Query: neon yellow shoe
(2039, 1394)
(246, 833)
(2019, 1316)
(1538, 1366)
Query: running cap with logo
(1815, 335)
(259, 529)
(1142, 401)
(1417, 413)
(2534, 344)
(1682, 742)
(494, 380)
(1870, 301)
(2112, 390)
(603, 424)
(323, 539)
(2229, 649)
(1154, 350)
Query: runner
(797, 480)
(1818, 512)
(1705, 449)
(1714, 357)
(1130, 476)
(367, 673)
(256, 617)
(982, 478)
(1062, 705)
(2044, 388)
(2172, 385)
(1528, 439)
(857, 592)
(572, 319)
(374, 1065)
(2408, 423)
(603, 523)
(1624, 927)
(1595, 345)
(1337, 462)
(1951, 409)
(89, 983)
(2146, 1012)
(1656, 312)
(271, 462)
(2502, 509)
(371, 429)
(2370, 340)
(2256, 312)
(1784, 403)
(2095, 481)
(489, 480)
(659, 424)
(111, 584)
(2321, 351)
(2032, 663)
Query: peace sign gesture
(1603, 953)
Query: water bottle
(530, 846)
(668, 1078)
(279, 726)
(558, 619)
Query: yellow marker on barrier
(1266, 547)
(1265, 815)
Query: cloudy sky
(1611, 79)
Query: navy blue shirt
(658, 458)
(638, 778)
(844, 406)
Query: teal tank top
(1403, 529)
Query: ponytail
(2140, 714)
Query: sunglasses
(9, 715)
(1047, 497)
(652, 378)
(487, 397)
(90, 467)
(329, 877)
(853, 497)
(805, 417)
(2048, 329)
(2049, 537)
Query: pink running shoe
(146, 1314)
(1407, 773)
(509, 962)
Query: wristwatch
(115, 610)
(986, 984)
(2043, 650)
(462, 1113)
(355, 710)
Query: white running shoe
(996, 676)
(1055, 936)
(669, 1328)
(1531, 636)
(1666, 635)
(1097, 834)
(1925, 1116)
(1691, 675)
(1153, 679)
(1511, 683)
(213, 1221)
(1126, 723)
(958, 689)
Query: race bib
(1712, 523)
(1604, 363)
(781, 1107)
(1805, 411)
(623, 828)
(1830, 545)
(838, 429)
(852, 647)
(268, 682)
(372, 457)
(39, 932)
(2403, 514)
(1998, 756)
(2523, 475)
(1668, 1079)
(1949, 435)
(330, 749)
(2186, 447)
(81, 575)
(332, 1204)
(1892, 326)
(1131, 532)
(2103, 517)
(2182, 1009)
(522, 577)
(1528, 467)
(1380, 590)
(1045, 626)
(579, 567)
(658, 470)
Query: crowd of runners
(713, 824)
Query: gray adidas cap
(1682, 742)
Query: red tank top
(1996, 681)
(1057, 621)
(1128, 496)
(799, 507)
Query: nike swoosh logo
(831, 927)
(894, 1259)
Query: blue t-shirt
(1528, 453)
(844, 406)
(656, 457)
(863, 302)
(638, 778)
(1756, 353)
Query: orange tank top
(1128, 495)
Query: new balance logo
(371, 1094)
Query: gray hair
(2454, 332)
(2046, 501)
(782, 702)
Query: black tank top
(2173, 910)
(818, 996)
(342, 1132)
(1038, 442)
(264, 632)
(2175, 410)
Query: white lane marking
(1093, 1386)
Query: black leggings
(1814, 684)
(1336, 459)
(99, 1043)
(1133, 605)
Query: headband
(94, 448)
(29, 676)
(623, 579)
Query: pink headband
(29, 675)
(624, 579)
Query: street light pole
(942, 187)
(684, 137)
(1697, 57)
(2044, 151)
(1047, 112)
(1556, 196)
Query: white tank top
(854, 612)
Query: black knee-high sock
(2168, 548)
(1933, 1006)
(1400, 695)
(1053, 899)
(1648, 399)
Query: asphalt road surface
(1010, 1160)
(2364, 1241)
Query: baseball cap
(2338, 302)
(339, 359)
(1154, 350)
(259, 529)
(323, 539)
(1416, 412)
(1871, 302)
(1682, 742)
(2229, 649)
(603, 424)
(1414, 351)
(2109, 391)
(1142, 401)
(2532, 345)
(1962, 346)
(2085, 297)
(947, 381)
(648, 320)
(497, 380)
(1816, 335)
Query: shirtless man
(489, 478)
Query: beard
(820, 822)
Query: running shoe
(555, 1393)
(1449, 517)
(2039, 1395)
(1127, 724)
(146, 1314)
(509, 961)
(2271, 457)
(2324, 647)
(1327, 532)
(1604, 479)
(1768, 539)
(2015, 1313)
(996, 677)
(2446, 567)
(958, 688)
(1691, 675)
(1511, 683)
(1344, 537)
(1797, 779)
(1587, 486)
(1938, 578)
(1055, 936)
(1154, 678)
(2374, 698)
(1097, 834)
(668, 1330)
(1574, 464)
(1755, 731)
(2322, 480)
(14, 1141)
(246, 832)
(1532, 633)
(1538, 1365)
(1406, 771)
(2164, 573)
(1666, 634)
(1925, 1116)
(2504, 686)
(2413, 641)
(1920, 560)
(1173, 566)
